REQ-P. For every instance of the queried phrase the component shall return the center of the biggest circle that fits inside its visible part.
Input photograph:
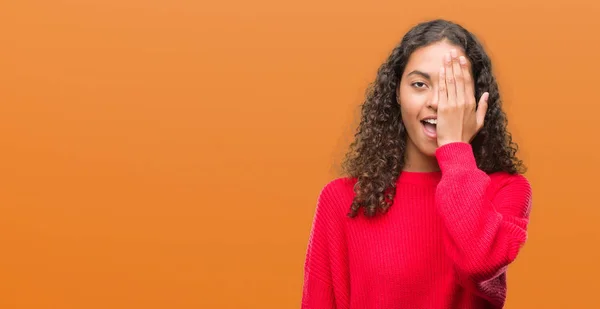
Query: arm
(484, 230)
(326, 280)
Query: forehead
(430, 58)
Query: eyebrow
(417, 72)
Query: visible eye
(419, 84)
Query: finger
(450, 87)
(458, 78)
(482, 109)
(442, 90)
(468, 83)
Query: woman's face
(417, 94)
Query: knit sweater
(445, 242)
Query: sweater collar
(420, 178)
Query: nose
(432, 101)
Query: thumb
(482, 109)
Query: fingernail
(462, 60)
(454, 54)
(487, 96)
(447, 57)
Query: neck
(416, 161)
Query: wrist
(445, 142)
(455, 155)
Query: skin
(437, 81)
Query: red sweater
(445, 242)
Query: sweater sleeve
(326, 279)
(485, 228)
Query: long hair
(376, 156)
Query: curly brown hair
(376, 156)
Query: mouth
(430, 127)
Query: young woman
(434, 207)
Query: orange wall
(169, 154)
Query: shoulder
(504, 179)
(511, 189)
(340, 185)
(336, 195)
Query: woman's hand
(458, 121)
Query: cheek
(409, 118)
(410, 106)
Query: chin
(428, 149)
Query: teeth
(432, 121)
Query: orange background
(169, 154)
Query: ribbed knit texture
(445, 243)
